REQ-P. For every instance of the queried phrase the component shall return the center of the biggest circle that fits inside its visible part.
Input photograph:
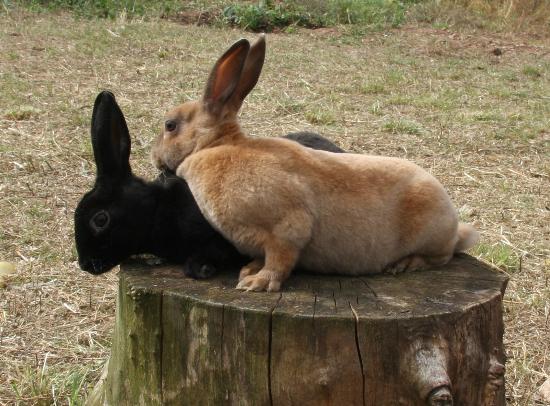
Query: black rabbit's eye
(100, 221)
(170, 125)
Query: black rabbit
(313, 140)
(124, 215)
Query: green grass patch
(104, 8)
(266, 16)
(444, 101)
(14, 87)
(400, 100)
(500, 255)
(21, 113)
(259, 18)
(42, 385)
(255, 16)
(402, 127)
(374, 87)
(360, 15)
(323, 117)
(487, 117)
(290, 106)
(532, 72)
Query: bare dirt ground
(472, 107)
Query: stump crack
(269, 348)
(221, 337)
(369, 287)
(371, 290)
(356, 317)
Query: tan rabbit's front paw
(251, 268)
(261, 281)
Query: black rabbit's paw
(198, 269)
(154, 261)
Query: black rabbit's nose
(98, 266)
(94, 266)
(86, 265)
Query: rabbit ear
(225, 76)
(251, 72)
(110, 137)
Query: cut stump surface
(423, 338)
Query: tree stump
(424, 338)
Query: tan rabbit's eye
(100, 221)
(170, 125)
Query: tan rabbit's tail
(468, 236)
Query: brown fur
(284, 204)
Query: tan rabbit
(284, 204)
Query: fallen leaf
(6, 268)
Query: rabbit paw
(250, 269)
(259, 282)
(407, 264)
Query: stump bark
(423, 338)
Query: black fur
(315, 141)
(159, 217)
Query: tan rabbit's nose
(155, 159)
(162, 167)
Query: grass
(499, 254)
(524, 15)
(22, 112)
(441, 98)
(320, 117)
(532, 71)
(41, 385)
(373, 87)
(103, 8)
(315, 14)
(360, 15)
(402, 127)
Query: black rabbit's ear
(110, 137)
(225, 76)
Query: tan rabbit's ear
(251, 72)
(225, 76)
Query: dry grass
(497, 15)
(520, 12)
(479, 122)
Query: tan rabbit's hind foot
(416, 262)
(269, 281)
(407, 264)
(251, 268)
